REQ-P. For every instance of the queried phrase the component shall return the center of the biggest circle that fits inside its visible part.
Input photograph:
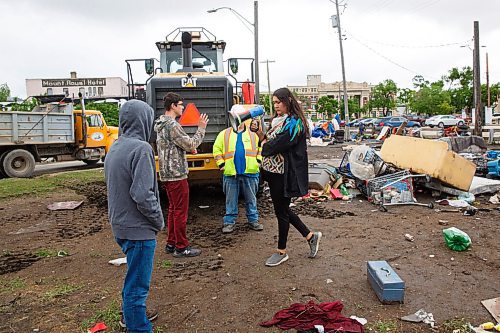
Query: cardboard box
(429, 157)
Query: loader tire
(18, 163)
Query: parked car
(397, 121)
(444, 120)
(379, 122)
(367, 121)
(353, 123)
(416, 117)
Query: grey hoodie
(133, 200)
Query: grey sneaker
(186, 252)
(276, 259)
(256, 226)
(314, 244)
(227, 228)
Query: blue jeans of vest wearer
(232, 186)
(140, 254)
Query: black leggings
(282, 209)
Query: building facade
(310, 93)
(89, 87)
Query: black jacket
(294, 151)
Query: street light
(255, 26)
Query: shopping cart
(394, 189)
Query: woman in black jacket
(285, 168)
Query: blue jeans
(232, 185)
(135, 291)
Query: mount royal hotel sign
(73, 82)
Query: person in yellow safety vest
(237, 154)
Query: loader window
(203, 57)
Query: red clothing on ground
(178, 204)
(305, 316)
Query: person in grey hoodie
(134, 207)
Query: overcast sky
(385, 39)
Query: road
(41, 169)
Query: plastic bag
(456, 239)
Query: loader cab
(206, 55)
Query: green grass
(380, 326)
(45, 253)
(457, 325)
(15, 187)
(164, 264)
(61, 291)
(12, 284)
(109, 315)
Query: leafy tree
(4, 92)
(384, 96)
(494, 92)
(405, 96)
(461, 82)
(420, 82)
(327, 105)
(354, 108)
(432, 99)
(109, 111)
(264, 100)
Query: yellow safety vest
(225, 146)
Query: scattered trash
(118, 261)
(62, 253)
(470, 211)
(495, 199)
(64, 205)
(454, 203)
(493, 307)
(443, 222)
(362, 321)
(306, 316)
(203, 207)
(467, 197)
(420, 316)
(431, 255)
(456, 239)
(329, 281)
(409, 237)
(98, 328)
(434, 159)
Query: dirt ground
(228, 288)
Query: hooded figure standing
(134, 208)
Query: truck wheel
(2, 173)
(18, 163)
(91, 162)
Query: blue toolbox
(385, 282)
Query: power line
(388, 59)
(415, 46)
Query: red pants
(178, 204)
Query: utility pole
(478, 124)
(336, 23)
(488, 81)
(256, 41)
(269, 86)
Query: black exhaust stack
(187, 52)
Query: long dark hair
(293, 107)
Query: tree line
(451, 94)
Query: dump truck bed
(48, 124)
